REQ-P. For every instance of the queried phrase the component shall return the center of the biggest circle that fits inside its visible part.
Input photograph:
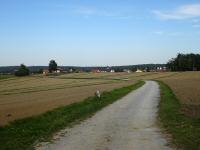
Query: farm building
(139, 71)
(127, 71)
(112, 70)
(59, 70)
(45, 72)
(96, 71)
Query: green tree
(185, 62)
(22, 71)
(52, 66)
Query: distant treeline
(13, 69)
(185, 62)
(38, 69)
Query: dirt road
(128, 124)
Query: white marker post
(98, 94)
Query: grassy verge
(2, 77)
(22, 134)
(185, 131)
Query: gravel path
(128, 124)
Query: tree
(52, 66)
(22, 71)
(185, 62)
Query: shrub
(22, 71)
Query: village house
(59, 70)
(96, 71)
(112, 71)
(45, 72)
(127, 71)
(139, 71)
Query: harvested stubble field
(27, 96)
(186, 87)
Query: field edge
(184, 131)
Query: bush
(22, 71)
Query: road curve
(128, 124)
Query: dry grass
(186, 86)
(27, 96)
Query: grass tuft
(23, 134)
(185, 131)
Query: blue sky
(95, 33)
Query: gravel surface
(128, 124)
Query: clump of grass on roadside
(185, 131)
(22, 134)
